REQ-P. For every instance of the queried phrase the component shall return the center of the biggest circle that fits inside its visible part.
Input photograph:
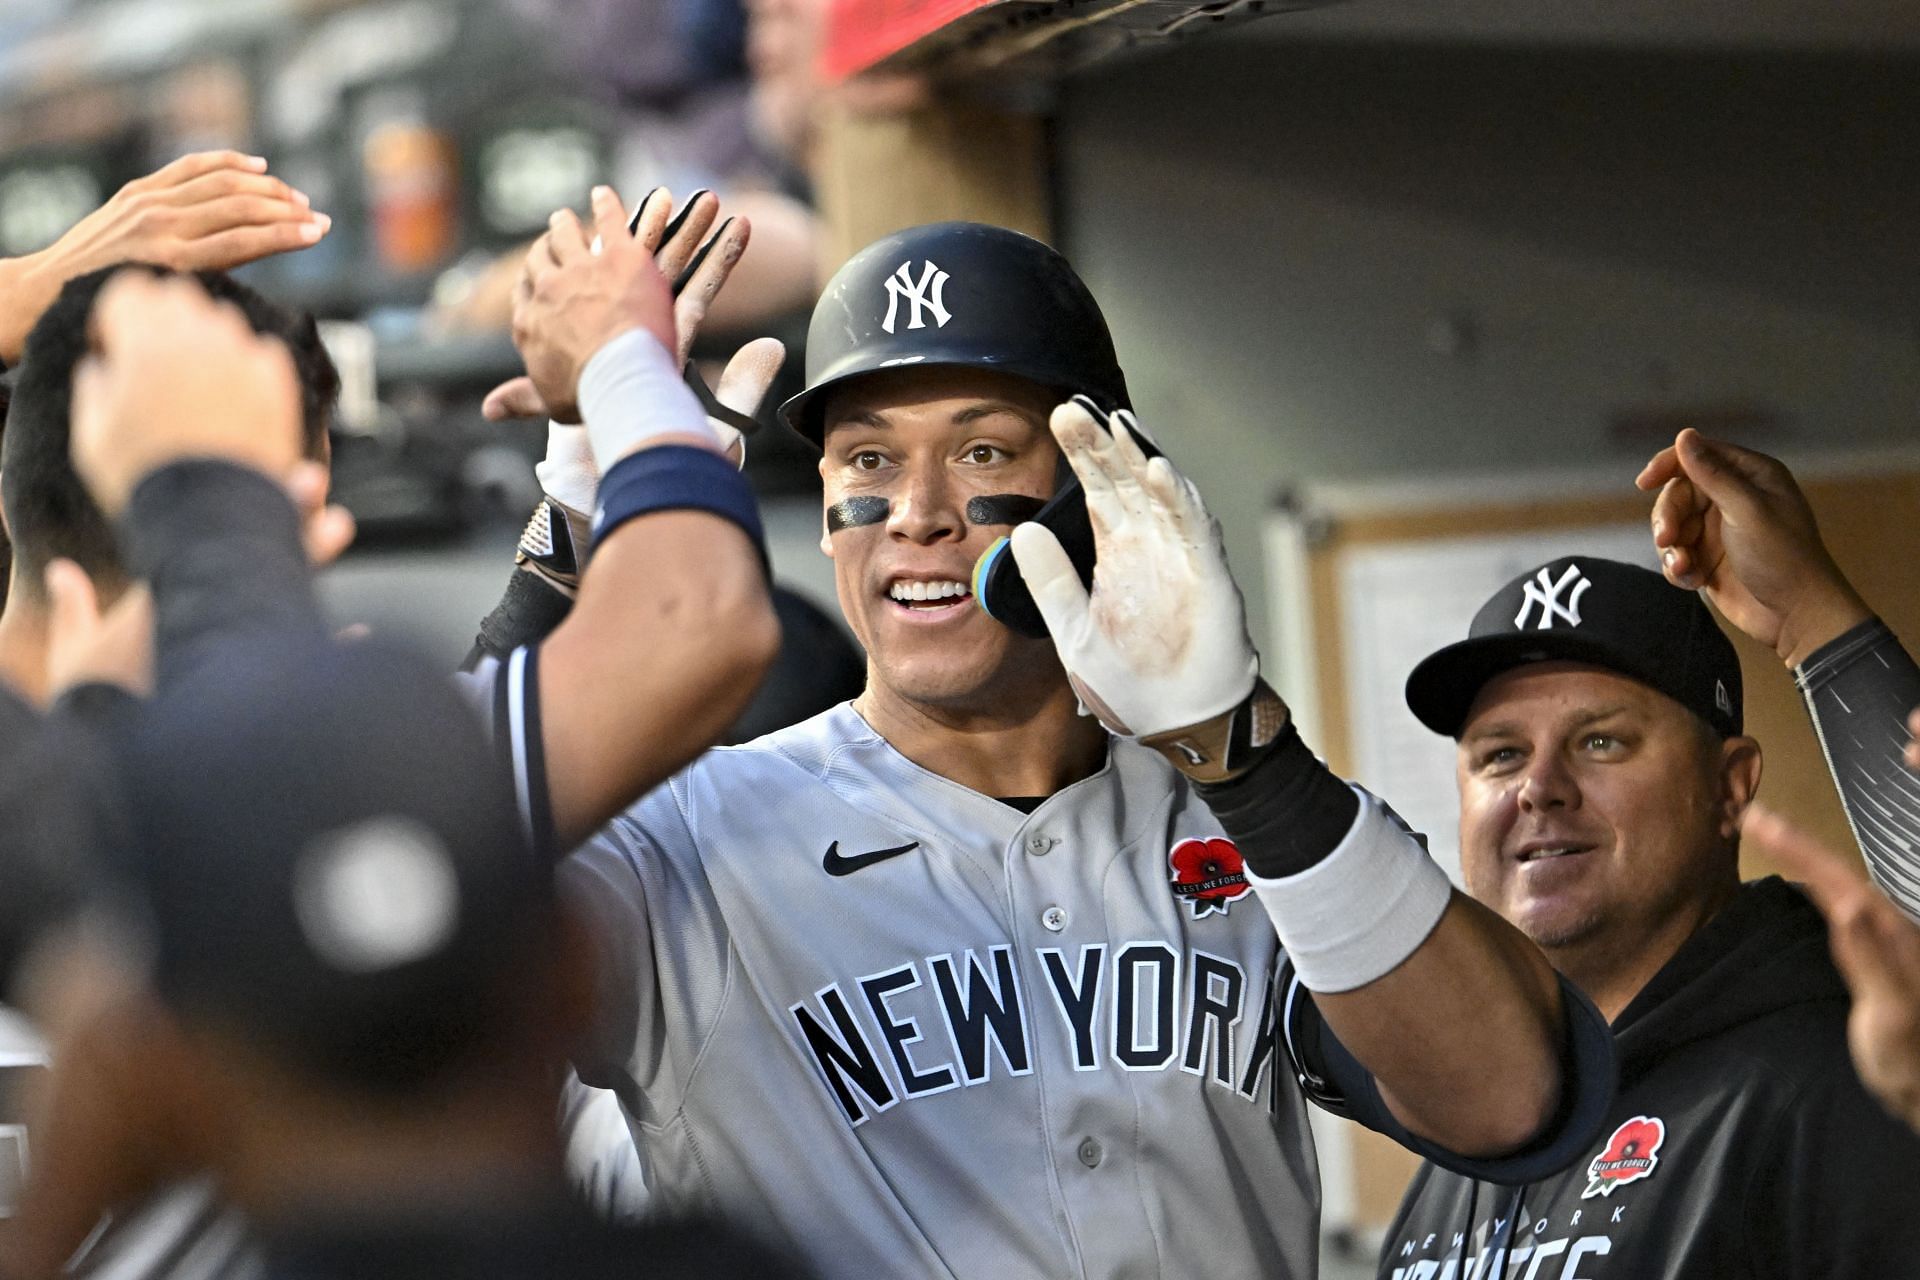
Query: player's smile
(929, 598)
(1547, 866)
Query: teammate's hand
(743, 388)
(675, 245)
(1161, 643)
(177, 375)
(1913, 740)
(211, 210)
(577, 295)
(1877, 950)
(1733, 523)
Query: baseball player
(954, 980)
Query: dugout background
(1406, 265)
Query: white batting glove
(1161, 644)
(743, 386)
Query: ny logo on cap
(927, 295)
(1546, 593)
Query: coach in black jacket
(1602, 774)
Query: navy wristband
(676, 477)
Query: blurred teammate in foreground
(361, 980)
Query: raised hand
(1734, 523)
(177, 375)
(698, 264)
(208, 211)
(1161, 642)
(1877, 950)
(576, 296)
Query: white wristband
(1361, 910)
(567, 474)
(632, 392)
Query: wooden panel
(876, 173)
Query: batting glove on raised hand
(556, 539)
(1159, 648)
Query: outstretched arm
(1734, 524)
(210, 210)
(1458, 1018)
(673, 626)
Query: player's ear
(1739, 781)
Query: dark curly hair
(49, 513)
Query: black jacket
(1741, 1143)
(551, 1240)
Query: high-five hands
(1160, 644)
(681, 249)
(1734, 523)
(579, 292)
(209, 211)
(697, 262)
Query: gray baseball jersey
(907, 1029)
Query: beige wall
(1283, 232)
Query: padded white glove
(1161, 643)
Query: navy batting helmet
(957, 293)
(969, 295)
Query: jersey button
(1054, 918)
(1090, 1153)
(1038, 846)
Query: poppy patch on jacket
(1209, 874)
(1630, 1155)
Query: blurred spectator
(676, 70)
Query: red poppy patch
(1630, 1155)
(1209, 874)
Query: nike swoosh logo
(838, 864)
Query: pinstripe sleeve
(506, 693)
(1859, 690)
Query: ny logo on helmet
(1546, 593)
(927, 295)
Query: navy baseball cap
(1586, 609)
(329, 860)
